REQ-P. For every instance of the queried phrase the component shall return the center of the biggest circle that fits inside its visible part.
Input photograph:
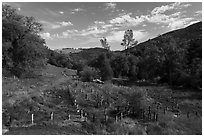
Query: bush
(88, 74)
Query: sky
(83, 24)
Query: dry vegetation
(56, 93)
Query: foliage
(59, 60)
(119, 64)
(104, 43)
(88, 74)
(103, 64)
(128, 40)
(23, 48)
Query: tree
(133, 68)
(128, 40)
(104, 43)
(103, 64)
(21, 42)
(119, 65)
(88, 74)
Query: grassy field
(59, 92)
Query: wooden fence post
(69, 117)
(149, 113)
(32, 119)
(154, 116)
(188, 114)
(75, 102)
(157, 117)
(94, 117)
(116, 118)
(81, 113)
(51, 115)
(86, 96)
(85, 116)
(77, 106)
(196, 113)
(121, 116)
(118, 108)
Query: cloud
(127, 20)
(159, 18)
(99, 22)
(117, 36)
(46, 36)
(73, 11)
(65, 23)
(110, 5)
(106, 26)
(92, 30)
(173, 6)
(55, 25)
(61, 12)
(181, 23)
(66, 34)
(198, 13)
(49, 12)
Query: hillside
(88, 54)
(68, 50)
(182, 36)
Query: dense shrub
(88, 74)
(59, 60)
(102, 63)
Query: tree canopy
(23, 48)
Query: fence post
(143, 114)
(128, 112)
(149, 113)
(85, 116)
(196, 113)
(154, 116)
(157, 117)
(69, 117)
(94, 117)
(116, 118)
(32, 119)
(51, 115)
(121, 116)
(188, 114)
(86, 96)
(81, 113)
(164, 111)
(75, 103)
(118, 108)
(77, 106)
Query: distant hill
(183, 37)
(88, 54)
(68, 50)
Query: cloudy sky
(82, 24)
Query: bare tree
(104, 43)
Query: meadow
(91, 108)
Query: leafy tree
(128, 40)
(103, 64)
(21, 42)
(119, 65)
(88, 74)
(133, 68)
